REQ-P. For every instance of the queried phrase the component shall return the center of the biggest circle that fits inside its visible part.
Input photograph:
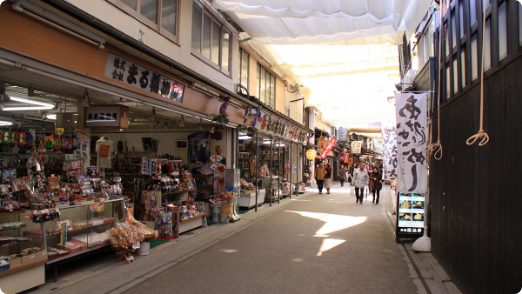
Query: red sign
(346, 157)
(328, 148)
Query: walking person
(320, 171)
(360, 180)
(328, 178)
(376, 178)
(342, 175)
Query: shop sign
(129, 73)
(356, 147)
(389, 149)
(115, 116)
(342, 134)
(412, 213)
(328, 148)
(411, 142)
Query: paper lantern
(311, 154)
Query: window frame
(241, 52)
(269, 89)
(223, 31)
(154, 26)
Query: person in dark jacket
(328, 178)
(376, 179)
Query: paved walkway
(308, 244)
(318, 244)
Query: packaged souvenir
(49, 142)
(7, 137)
(22, 140)
(57, 142)
(15, 138)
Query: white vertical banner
(389, 149)
(410, 109)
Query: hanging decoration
(222, 117)
(311, 154)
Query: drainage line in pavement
(417, 270)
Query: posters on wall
(199, 147)
(412, 213)
(356, 147)
(125, 71)
(389, 150)
(412, 174)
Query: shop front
(270, 158)
(102, 149)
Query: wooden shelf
(23, 267)
(12, 212)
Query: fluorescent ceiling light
(244, 138)
(5, 123)
(51, 116)
(30, 101)
(26, 108)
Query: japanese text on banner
(389, 150)
(411, 142)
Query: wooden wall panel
(476, 221)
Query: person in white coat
(360, 178)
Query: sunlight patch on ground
(298, 259)
(333, 222)
(228, 250)
(329, 244)
(303, 200)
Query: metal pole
(257, 162)
(280, 174)
(299, 160)
(271, 167)
(290, 164)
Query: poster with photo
(199, 147)
(411, 213)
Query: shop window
(446, 40)
(455, 76)
(520, 25)
(448, 83)
(487, 46)
(453, 31)
(266, 89)
(243, 68)
(210, 41)
(160, 15)
(502, 32)
(461, 19)
(472, 12)
(474, 57)
(463, 68)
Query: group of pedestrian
(359, 177)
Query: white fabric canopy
(317, 21)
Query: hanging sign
(356, 147)
(129, 73)
(311, 154)
(389, 150)
(411, 142)
(342, 134)
(328, 148)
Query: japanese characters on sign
(342, 134)
(412, 174)
(328, 148)
(122, 70)
(356, 147)
(389, 149)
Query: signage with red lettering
(328, 148)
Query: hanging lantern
(7, 137)
(57, 142)
(23, 139)
(311, 154)
(29, 143)
(15, 138)
(49, 141)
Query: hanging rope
(436, 148)
(481, 134)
